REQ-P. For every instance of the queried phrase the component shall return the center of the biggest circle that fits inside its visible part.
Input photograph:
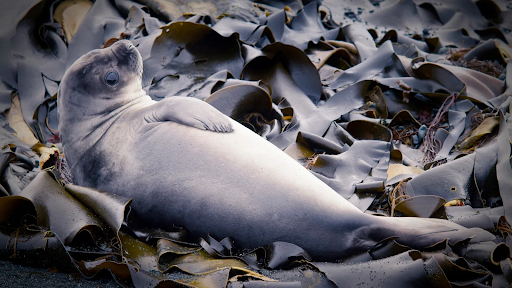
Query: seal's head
(103, 79)
(94, 91)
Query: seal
(183, 162)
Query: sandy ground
(17, 276)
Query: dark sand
(17, 276)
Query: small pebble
(415, 141)
(421, 132)
(502, 76)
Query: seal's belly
(208, 180)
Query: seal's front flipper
(191, 112)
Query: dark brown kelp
(403, 108)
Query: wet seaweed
(404, 116)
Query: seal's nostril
(130, 46)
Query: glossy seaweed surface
(402, 107)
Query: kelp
(406, 268)
(356, 91)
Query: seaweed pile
(402, 107)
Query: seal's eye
(111, 78)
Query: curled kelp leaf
(362, 39)
(426, 206)
(202, 89)
(141, 278)
(7, 138)
(404, 117)
(169, 250)
(301, 152)
(217, 248)
(469, 217)
(506, 269)
(400, 169)
(321, 118)
(457, 121)
(260, 284)
(144, 233)
(185, 45)
(457, 274)
(16, 176)
(375, 97)
(337, 54)
(488, 254)
(102, 22)
(7, 157)
(8, 73)
(110, 208)
(366, 130)
(405, 269)
(42, 53)
(239, 100)
(338, 134)
(305, 27)
(249, 33)
(486, 127)
(69, 14)
(479, 87)
(435, 273)
(387, 248)
(395, 156)
(48, 155)
(138, 23)
(217, 279)
(492, 49)
(119, 270)
(451, 183)
(308, 145)
(279, 68)
(398, 38)
(39, 248)
(48, 118)
(199, 262)
(303, 276)
(384, 63)
(372, 185)
(17, 123)
(280, 254)
(405, 16)
(60, 212)
(503, 169)
(339, 170)
(13, 209)
(141, 254)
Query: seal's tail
(419, 233)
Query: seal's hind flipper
(419, 233)
(191, 112)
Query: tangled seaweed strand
(430, 140)
(491, 68)
(15, 235)
(393, 199)
(63, 168)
